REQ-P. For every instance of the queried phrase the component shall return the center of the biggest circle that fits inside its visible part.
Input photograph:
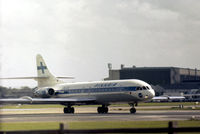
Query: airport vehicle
(51, 90)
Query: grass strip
(29, 126)
(93, 125)
(129, 124)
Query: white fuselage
(105, 92)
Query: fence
(171, 129)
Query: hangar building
(167, 77)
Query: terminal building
(173, 78)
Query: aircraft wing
(29, 100)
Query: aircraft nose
(152, 93)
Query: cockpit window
(141, 88)
(144, 87)
(147, 87)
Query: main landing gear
(68, 109)
(102, 110)
(133, 109)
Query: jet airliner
(51, 90)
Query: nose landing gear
(133, 109)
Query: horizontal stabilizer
(35, 78)
(24, 78)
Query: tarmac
(90, 114)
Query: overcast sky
(79, 37)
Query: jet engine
(45, 92)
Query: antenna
(109, 66)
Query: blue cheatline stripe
(96, 90)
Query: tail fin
(45, 78)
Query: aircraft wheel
(68, 110)
(100, 110)
(132, 110)
(105, 110)
(71, 110)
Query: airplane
(168, 98)
(51, 90)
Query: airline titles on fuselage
(105, 85)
